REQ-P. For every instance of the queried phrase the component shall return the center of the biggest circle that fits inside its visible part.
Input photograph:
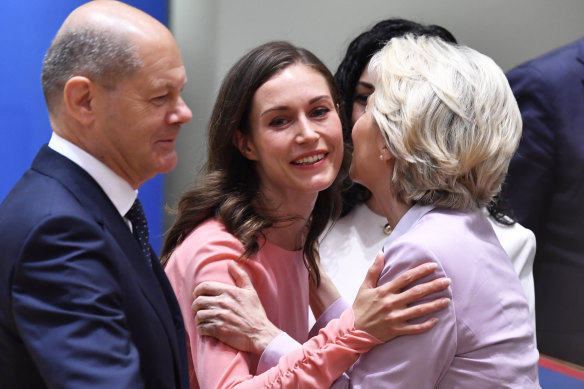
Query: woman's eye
(362, 99)
(320, 112)
(278, 122)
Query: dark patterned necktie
(140, 228)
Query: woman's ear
(244, 145)
(384, 153)
(78, 95)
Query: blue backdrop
(26, 31)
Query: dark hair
(358, 54)
(101, 55)
(230, 184)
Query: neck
(290, 233)
(71, 134)
(374, 206)
(394, 210)
(389, 206)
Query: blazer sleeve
(417, 361)
(317, 363)
(531, 171)
(283, 343)
(67, 307)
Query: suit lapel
(95, 201)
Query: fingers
(214, 288)
(374, 272)
(207, 316)
(411, 275)
(240, 276)
(412, 329)
(421, 310)
(210, 288)
(223, 301)
(420, 291)
(402, 319)
(209, 324)
(203, 302)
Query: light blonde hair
(448, 116)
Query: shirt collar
(118, 190)
(407, 221)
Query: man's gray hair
(100, 55)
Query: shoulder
(513, 235)
(553, 68)
(204, 254)
(441, 236)
(47, 194)
(210, 238)
(39, 210)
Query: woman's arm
(206, 256)
(223, 310)
(234, 315)
(316, 364)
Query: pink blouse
(281, 280)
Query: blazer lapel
(90, 194)
(148, 278)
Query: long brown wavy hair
(229, 186)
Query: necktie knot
(140, 227)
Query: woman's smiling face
(295, 134)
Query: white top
(519, 244)
(349, 249)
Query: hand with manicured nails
(384, 311)
(234, 314)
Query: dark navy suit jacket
(79, 305)
(546, 188)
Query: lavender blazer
(484, 339)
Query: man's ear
(78, 96)
(244, 145)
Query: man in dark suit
(83, 300)
(546, 188)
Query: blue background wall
(26, 31)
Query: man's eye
(160, 99)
